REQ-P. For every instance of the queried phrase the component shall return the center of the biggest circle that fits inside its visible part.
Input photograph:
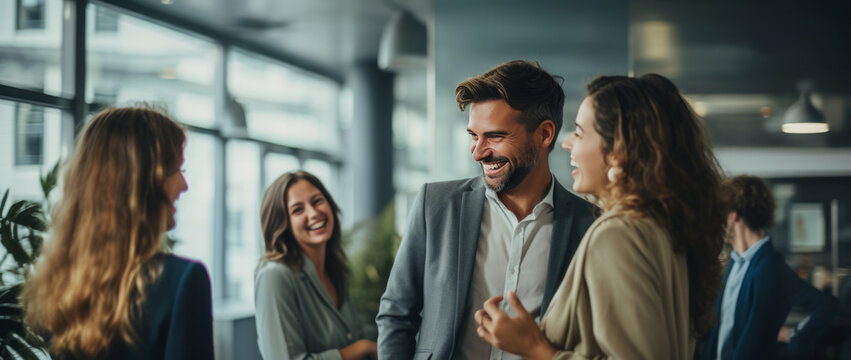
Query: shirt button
(349, 336)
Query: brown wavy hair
(104, 249)
(525, 86)
(669, 174)
(281, 245)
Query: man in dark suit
(515, 228)
(759, 289)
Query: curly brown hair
(669, 174)
(751, 200)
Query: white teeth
(573, 163)
(317, 226)
(493, 166)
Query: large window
(30, 144)
(243, 238)
(145, 62)
(276, 164)
(291, 120)
(283, 104)
(30, 42)
(195, 217)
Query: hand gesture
(518, 335)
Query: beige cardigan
(624, 296)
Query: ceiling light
(804, 118)
(403, 43)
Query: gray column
(370, 155)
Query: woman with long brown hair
(104, 288)
(644, 279)
(300, 288)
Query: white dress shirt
(512, 255)
(731, 291)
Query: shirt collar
(750, 252)
(546, 201)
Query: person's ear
(546, 133)
(732, 217)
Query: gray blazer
(423, 308)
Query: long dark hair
(278, 237)
(669, 174)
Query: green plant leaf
(35, 241)
(10, 241)
(23, 348)
(49, 180)
(28, 214)
(3, 203)
(12, 324)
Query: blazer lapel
(746, 297)
(562, 245)
(469, 224)
(309, 271)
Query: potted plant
(372, 244)
(22, 228)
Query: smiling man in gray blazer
(515, 228)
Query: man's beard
(517, 171)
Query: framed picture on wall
(806, 227)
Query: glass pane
(31, 143)
(29, 45)
(132, 60)
(285, 105)
(243, 238)
(326, 174)
(277, 164)
(194, 230)
(30, 14)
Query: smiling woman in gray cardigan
(300, 293)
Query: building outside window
(30, 14)
(105, 20)
(29, 134)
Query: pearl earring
(614, 173)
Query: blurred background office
(361, 93)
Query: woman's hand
(518, 335)
(360, 349)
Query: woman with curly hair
(644, 279)
(104, 288)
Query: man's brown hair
(751, 200)
(525, 86)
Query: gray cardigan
(295, 316)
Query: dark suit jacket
(176, 321)
(769, 290)
(425, 303)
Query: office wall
(470, 37)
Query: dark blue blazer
(176, 320)
(769, 290)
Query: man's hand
(518, 335)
